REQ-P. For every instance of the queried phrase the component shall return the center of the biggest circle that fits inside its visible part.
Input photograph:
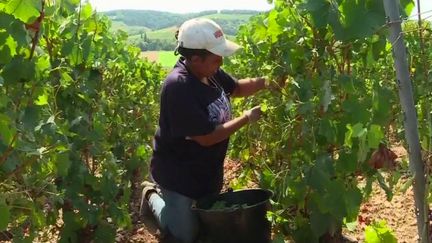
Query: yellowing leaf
(42, 100)
(264, 107)
(86, 11)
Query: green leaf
(14, 28)
(38, 218)
(264, 107)
(63, 164)
(406, 7)
(357, 111)
(378, 47)
(105, 232)
(407, 185)
(7, 131)
(359, 18)
(279, 238)
(87, 49)
(384, 186)
(67, 47)
(76, 56)
(334, 199)
(260, 32)
(319, 10)
(328, 130)
(353, 198)
(86, 11)
(66, 79)
(358, 130)
(351, 226)
(382, 104)
(30, 118)
(319, 176)
(7, 48)
(5, 215)
(19, 70)
(42, 64)
(319, 222)
(274, 29)
(374, 136)
(4, 100)
(42, 99)
(25, 10)
(108, 188)
(379, 233)
(245, 155)
(347, 84)
(267, 178)
(142, 151)
(347, 162)
(10, 165)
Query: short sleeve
(227, 82)
(186, 116)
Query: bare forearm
(222, 131)
(248, 86)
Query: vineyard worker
(194, 126)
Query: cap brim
(227, 48)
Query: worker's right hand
(253, 114)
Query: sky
(425, 6)
(187, 6)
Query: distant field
(131, 30)
(165, 58)
(136, 31)
(169, 32)
(228, 16)
(163, 34)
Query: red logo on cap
(218, 33)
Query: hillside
(154, 30)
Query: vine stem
(425, 71)
(9, 150)
(426, 105)
(35, 42)
(35, 39)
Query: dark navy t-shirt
(191, 108)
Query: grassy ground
(163, 34)
(165, 58)
(131, 30)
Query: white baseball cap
(201, 33)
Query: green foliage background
(78, 110)
(77, 113)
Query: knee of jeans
(185, 227)
(187, 234)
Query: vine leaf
(5, 215)
(374, 136)
(24, 10)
